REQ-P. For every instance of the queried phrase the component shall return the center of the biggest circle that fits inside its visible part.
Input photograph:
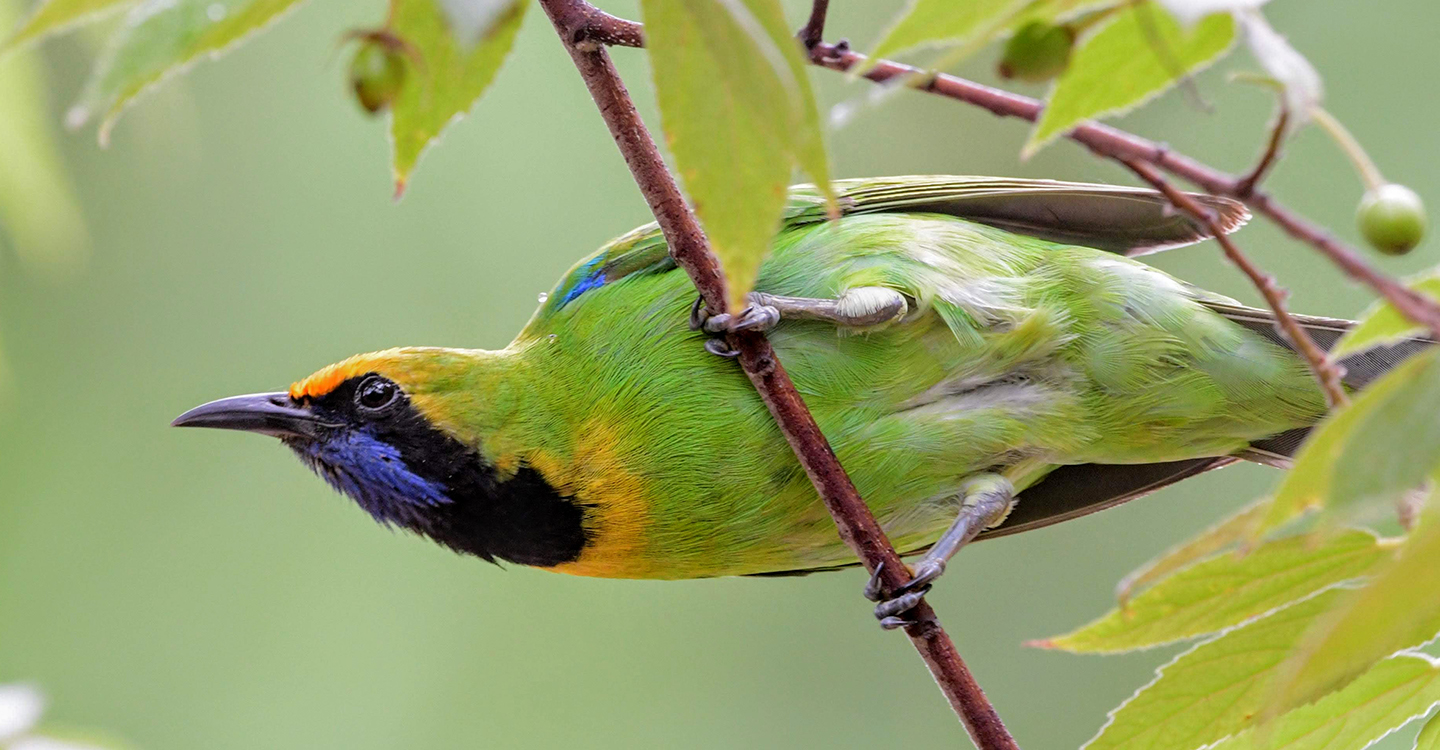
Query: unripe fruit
(1037, 52)
(377, 73)
(1392, 218)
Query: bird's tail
(1360, 367)
(1080, 489)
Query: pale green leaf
(1190, 11)
(933, 22)
(1226, 533)
(1134, 58)
(1311, 483)
(1429, 738)
(40, 218)
(158, 38)
(1227, 590)
(454, 67)
(1216, 688)
(1390, 695)
(1397, 445)
(53, 16)
(1383, 324)
(1397, 611)
(738, 113)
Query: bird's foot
(756, 317)
(891, 610)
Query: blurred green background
(183, 590)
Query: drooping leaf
(1382, 323)
(1135, 57)
(1226, 533)
(1429, 738)
(1227, 590)
(54, 16)
(738, 114)
(1312, 482)
(40, 218)
(1390, 695)
(158, 38)
(932, 22)
(456, 63)
(1397, 611)
(1216, 688)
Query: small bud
(1392, 218)
(377, 73)
(1037, 52)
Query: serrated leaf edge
(1033, 147)
(1160, 670)
(77, 116)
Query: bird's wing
(1125, 220)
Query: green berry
(1037, 52)
(1392, 218)
(377, 73)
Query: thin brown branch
(596, 27)
(1119, 145)
(577, 23)
(1245, 186)
(1325, 371)
(813, 32)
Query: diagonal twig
(814, 30)
(585, 31)
(1111, 143)
(1245, 186)
(1117, 144)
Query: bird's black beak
(274, 414)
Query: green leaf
(40, 217)
(1383, 324)
(1429, 738)
(1397, 611)
(158, 38)
(1397, 444)
(1137, 56)
(1216, 688)
(1390, 695)
(934, 22)
(738, 114)
(456, 63)
(1228, 590)
(1226, 533)
(1311, 483)
(53, 16)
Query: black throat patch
(459, 500)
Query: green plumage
(1017, 355)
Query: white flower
(1190, 11)
(47, 743)
(20, 707)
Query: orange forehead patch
(329, 378)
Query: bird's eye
(376, 392)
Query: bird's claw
(889, 611)
(753, 318)
(720, 348)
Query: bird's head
(381, 428)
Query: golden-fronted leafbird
(982, 354)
